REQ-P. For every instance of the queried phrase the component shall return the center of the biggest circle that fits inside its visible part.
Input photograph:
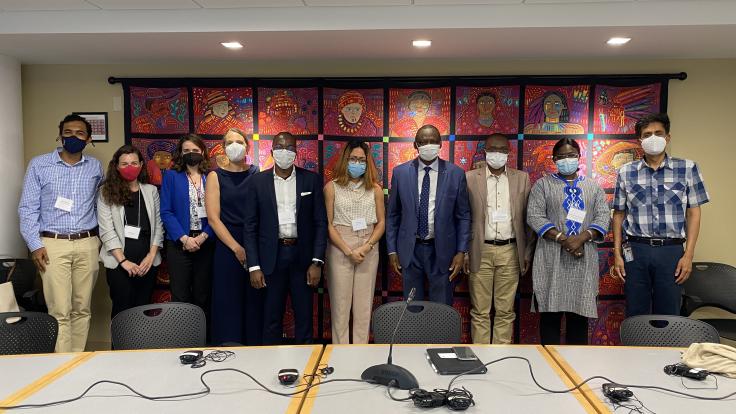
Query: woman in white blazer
(130, 230)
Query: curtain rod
(677, 76)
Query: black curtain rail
(410, 79)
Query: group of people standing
(238, 242)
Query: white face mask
(284, 158)
(235, 152)
(429, 152)
(496, 160)
(654, 145)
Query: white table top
(506, 388)
(644, 366)
(159, 372)
(19, 374)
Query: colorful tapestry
(556, 110)
(353, 112)
(218, 109)
(159, 110)
(410, 109)
(287, 109)
(483, 111)
(325, 114)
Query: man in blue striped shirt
(59, 225)
(657, 204)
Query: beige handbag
(7, 300)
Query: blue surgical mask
(73, 145)
(356, 169)
(567, 166)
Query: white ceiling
(46, 5)
(135, 31)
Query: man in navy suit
(285, 239)
(428, 226)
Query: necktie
(423, 230)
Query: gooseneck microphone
(388, 373)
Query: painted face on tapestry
(486, 105)
(221, 109)
(162, 159)
(352, 112)
(553, 107)
(419, 105)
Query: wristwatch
(318, 263)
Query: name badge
(287, 217)
(628, 253)
(359, 224)
(64, 204)
(500, 216)
(576, 215)
(132, 232)
(201, 212)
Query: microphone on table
(389, 373)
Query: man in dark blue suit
(285, 239)
(428, 226)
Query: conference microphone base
(386, 373)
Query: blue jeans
(650, 286)
(424, 262)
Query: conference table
(158, 373)
(642, 366)
(507, 387)
(18, 373)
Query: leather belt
(655, 242)
(73, 236)
(288, 242)
(499, 242)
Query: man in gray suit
(501, 247)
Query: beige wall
(701, 128)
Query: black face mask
(192, 158)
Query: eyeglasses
(357, 160)
(291, 148)
(565, 156)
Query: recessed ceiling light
(232, 45)
(618, 41)
(421, 43)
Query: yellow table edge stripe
(567, 380)
(575, 378)
(297, 401)
(47, 379)
(312, 394)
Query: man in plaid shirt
(657, 204)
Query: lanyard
(197, 189)
(125, 215)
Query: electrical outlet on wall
(117, 103)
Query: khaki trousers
(351, 286)
(496, 281)
(67, 286)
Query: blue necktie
(423, 230)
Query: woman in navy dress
(237, 308)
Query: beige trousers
(351, 286)
(495, 281)
(68, 281)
